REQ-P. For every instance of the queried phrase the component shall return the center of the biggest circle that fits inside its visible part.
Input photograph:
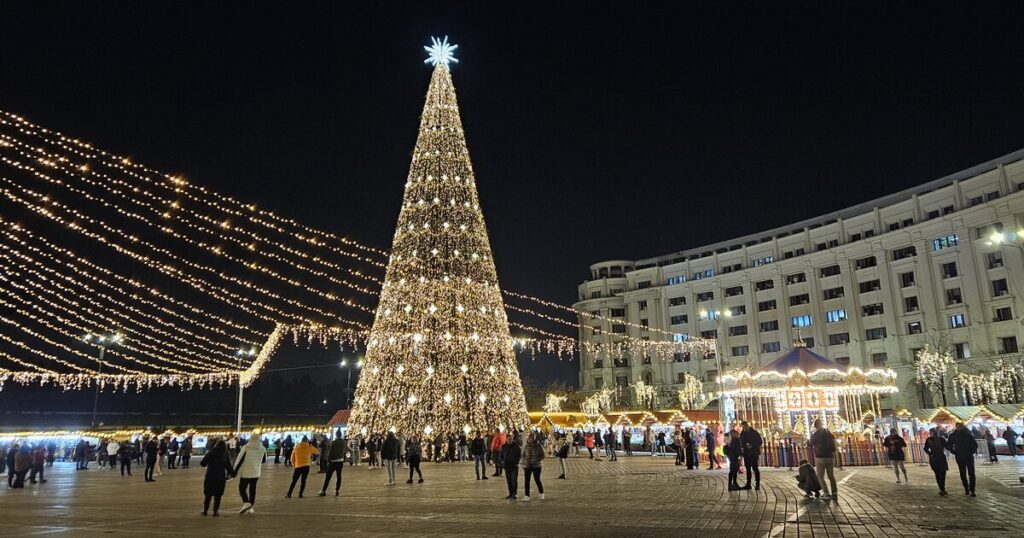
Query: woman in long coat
(935, 447)
(218, 469)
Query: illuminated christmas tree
(439, 356)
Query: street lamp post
(101, 341)
(719, 325)
(348, 382)
(251, 352)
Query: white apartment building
(865, 286)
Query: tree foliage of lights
(692, 392)
(932, 365)
(645, 394)
(439, 355)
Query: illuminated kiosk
(787, 395)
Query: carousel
(786, 396)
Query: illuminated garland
(596, 403)
(553, 403)
(645, 394)
(931, 367)
(692, 392)
(1004, 384)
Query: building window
(621, 362)
(618, 312)
(977, 200)
(738, 310)
(676, 301)
(1003, 314)
(706, 296)
(740, 351)
(737, 330)
(864, 263)
(956, 321)
(949, 270)
(854, 237)
(803, 298)
(598, 382)
(953, 297)
(844, 361)
(801, 321)
(995, 259)
(645, 323)
(914, 327)
(878, 360)
(595, 295)
(833, 316)
(945, 242)
(992, 196)
(765, 285)
(710, 376)
(910, 304)
(796, 278)
(831, 270)
(962, 350)
(907, 279)
(875, 334)
(948, 209)
(681, 357)
(833, 293)
(907, 222)
(711, 335)
(808, 342)
(643, 285)
(838, 339)
(680, 337)
(999, 288)
(762, 261)
(704, 274)
(676, 279)
(679, 320)
(872, 310)
(734, 291)
(1008, 344)
(871, 285)
(934, 214)
(764, 306)
(770, 347)
(618, 328)
(772, 325)
(905, 252)
(713, 314)
(643, 305)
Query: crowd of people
(505, 452)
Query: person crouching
(807, 480)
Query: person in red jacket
(38, 460)
(496, 443)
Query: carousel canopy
(802, 369)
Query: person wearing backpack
(563, 453)
(824, 446)
(751, 442)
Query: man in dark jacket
(334, 455)
(510, 454)
(1010, 437)
(751, 442)
(151, 448)
(710, 442)
(823, 444)
(963, 446)
(478, 449)
(389, 453)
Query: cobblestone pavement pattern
(637, 496)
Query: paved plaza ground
(637, 496)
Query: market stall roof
(1006, 412)
(563, 419)
(340, 418)
(964, 412)
(801, 358)
(704, 416)
(926, 414)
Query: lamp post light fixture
(102, 341)
(240, 354)
(348, 383)
(719, 318)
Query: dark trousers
(479, 467)
(333, 468)
(535, 473)
(37, 468)
(113, 461)
(10, 476)
(172, 458)
(512, 479)
(19, 478)
(414, 465)
(126, 466)
(750, 461)
(185, 458)
(496, 458)
(628, 447)
(216, 504)
(734, 470)
(247, 490)
(150, 464)
(966, 467)
(299, 472)
(940, 478)
(712, 458)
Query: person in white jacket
(247, 468)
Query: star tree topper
(441, 52)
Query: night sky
(596, 132)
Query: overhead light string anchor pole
(101, 341)
(251, 352)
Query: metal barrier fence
(789, 452)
